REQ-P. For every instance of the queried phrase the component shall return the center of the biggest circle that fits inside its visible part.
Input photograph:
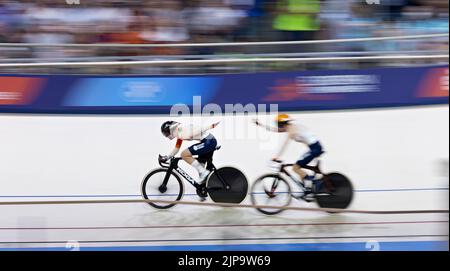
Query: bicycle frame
(315, 169)
(174, 166)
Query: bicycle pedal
(202, 192)
(322, 194)
(297, 195)
(309, 197)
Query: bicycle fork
(274, 186)
(163, 187)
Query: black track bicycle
(223, 185)
(335, 190)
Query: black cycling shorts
(315, 150)
(205, 146)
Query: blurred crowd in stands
(198, 21)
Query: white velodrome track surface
(396, 158)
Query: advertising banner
(290, 91)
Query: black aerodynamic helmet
(166, 126)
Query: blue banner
(139, 91)
(291, 91)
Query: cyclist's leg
(186, 155)
(205, 146)
(315, 150)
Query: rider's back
(191, 132)
(300, 133)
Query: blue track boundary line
(130, 195)
(344, 246)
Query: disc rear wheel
(336, 192)
(234, 178)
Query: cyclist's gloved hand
(276, 160)
(274, 164)
(214, 125)
(164, 158)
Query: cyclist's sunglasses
(282, 124)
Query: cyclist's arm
(177, 147)
(291, 131)
(267, 127)
(200, 130)
(283, 148)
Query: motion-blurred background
(212, 21)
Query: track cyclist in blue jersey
(298, 133)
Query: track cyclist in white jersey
(298, 133)
(207, 144)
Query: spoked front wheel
(271, 190)
(153, 188)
